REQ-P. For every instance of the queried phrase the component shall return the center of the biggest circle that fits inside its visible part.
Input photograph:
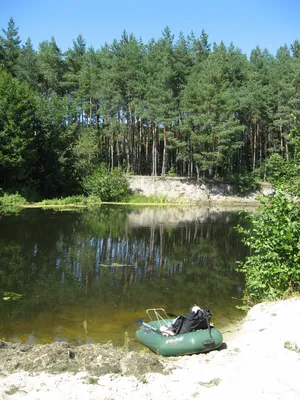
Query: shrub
(11, 200)
(246, 182)
(273, 268)
(108, 186)
(171, 172)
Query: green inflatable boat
(151, 335)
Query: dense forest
(176, 106)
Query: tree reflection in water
(107, 266)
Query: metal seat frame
(159, 315)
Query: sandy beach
(260, 359)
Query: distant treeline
(171, 106)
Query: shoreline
(261, 359)
(173, 191)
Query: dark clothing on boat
(194, 320)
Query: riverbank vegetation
(272, 270)
(179, 106)
(15, 202)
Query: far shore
(169, 192)
(221, 204)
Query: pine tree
(74, 62)
(51, 67)
(295, 47)
(10, 44)
(27, 66)
(160, 104)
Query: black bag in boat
(196, 319)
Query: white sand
(255, 365)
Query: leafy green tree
(17, 110)
(272, 269)
(54, 139)
(86, 152)
(108, 186)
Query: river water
(88, 276)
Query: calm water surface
(88, 276)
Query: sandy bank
(195, 191)
(261, 361)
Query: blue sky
(267, 23)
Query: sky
(246, 23)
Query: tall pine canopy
(180, 106)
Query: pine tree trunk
(197, 172)
(265, 154)
(251, 142)
(154, 155)
(118, 153)
(91, 111)
(140, 147)
(112, 155)
(147, 149)
(259, 136)
(281, 140)
(164, 160)
(191, 160)
(286, 150)
(254, 150)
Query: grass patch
(141, 199)
(16, 201)
(68, 202)
(72, 200)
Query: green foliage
(55, 165)
(72, 200)
(7, 296)
(85, 150)
(27, 67)
(171, 172)
(107, 186)
(275, 168)
(51, 67)
(284, 174)
(11, 200)
(64, 200)
(17, 108)
(246, 182)
(273, 268)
